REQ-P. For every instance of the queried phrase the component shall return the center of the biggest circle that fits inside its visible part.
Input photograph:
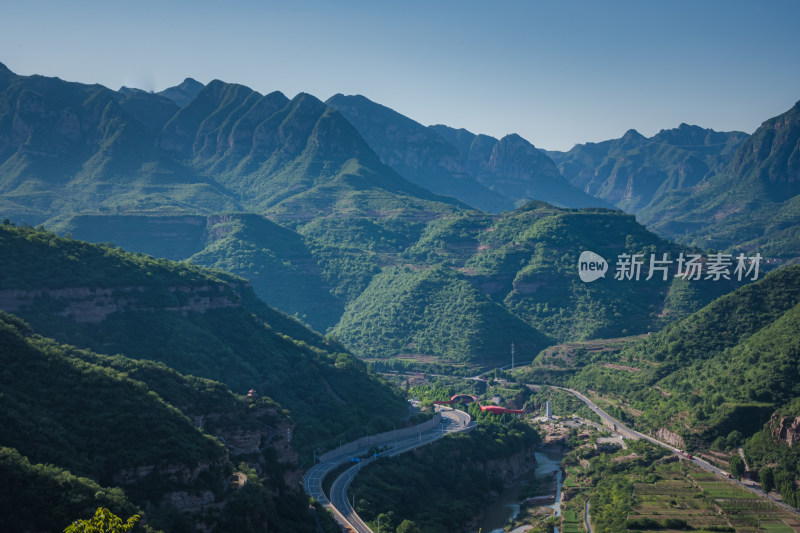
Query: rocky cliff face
(416, 152)
(785, 429)
(511, 468)
(93, 305)
(632, 171)
(769, 160)
(669, 437)
(514, 167)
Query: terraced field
(682, 496)
(675, 497)
(745, 511)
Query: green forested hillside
(633, 171)
(432, 311)
(277, 262)
(726, 367)
(29, 489)
(444, 485)
(527, 260)
(199, 322)
(133, 425)
(750, 203)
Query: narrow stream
(507, 506)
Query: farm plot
(673, 499)
(743, 510)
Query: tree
(103, 521)
(737, 466)
(767, 478)
(407, 526)
(734, 439)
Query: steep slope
(67, 147)
(183, 93)
(726, 367)
(432, 312)
(416, 152)
(78, 410)
(28, 488)
(309, 273)
(473, 283)
(198, 322)
(750, 203)
(279, 265)
(528, 260)
(296, 158)
(515, 168)
(634, 171)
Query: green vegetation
(645, 488)
(727, 367)
(131, 424)
(723, 377)
(103, 521)
(42, 497)
(634, 172)
(751, 203)
(198, 322)
(432, 311)
(416, 152)
(276, 261)
(50, 393)
(442, 486)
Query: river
(507, 505)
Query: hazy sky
(558, 73)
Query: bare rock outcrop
(785, 429)
(670, 437)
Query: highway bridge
(339, 504)
(468, 398)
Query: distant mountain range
(634, 171)
(68, 148)
(723, 190)
(752, 202)
(487, 173)
(324, 206)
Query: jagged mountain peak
(632, 134)
(184, 93)
(516, 140)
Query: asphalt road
(705, 465)
(339, 504)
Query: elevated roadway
(339, 504)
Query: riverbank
(532, 497)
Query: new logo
(591, 266)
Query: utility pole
(512, 356)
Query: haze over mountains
(400, 243)
(319, 204)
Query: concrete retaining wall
(380, 438)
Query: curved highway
(339, 504)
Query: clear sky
(557, 72)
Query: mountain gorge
(287, 240)
(312, 211)
(722, 190)
(69, 148)
(751, 203)
(77, 409)
(634, 171)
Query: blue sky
(557, 73)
